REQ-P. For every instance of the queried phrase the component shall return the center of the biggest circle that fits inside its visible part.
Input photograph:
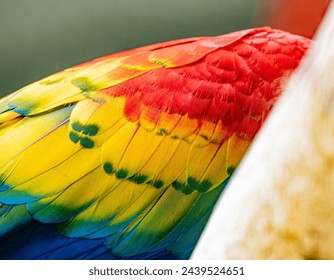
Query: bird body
(129, 152)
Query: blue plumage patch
(42, 242)
(12, 196)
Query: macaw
(125, 156)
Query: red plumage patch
(231, 78)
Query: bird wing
(135, 147)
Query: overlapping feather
(136, 147)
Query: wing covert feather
(135, 147)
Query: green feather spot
(157, 183)
(108, 168)
(74, 137)
(121, 173)
(177, 185)
(77, 126)
(139, 178)
(84, 84)
(86, 142)
(203, 186)
(162, 131)
(186, 189)
(192, 182)
(91, 129)
(230, 170)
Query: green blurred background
(40, 37)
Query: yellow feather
(220, 133)
(8, 116)
(168, 122)
(47, 177)
(217, 171)
(160, 157)
(123, 195)
(236, 149)
(38, 97)
(176, 165)
(27, 132)
(114, 149)
(137, 208)
(139, 150)
(81, 193)
(186, 129)
(97, 118)
(206, 163)
(65, 87)
(169, 210)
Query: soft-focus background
(40, 37)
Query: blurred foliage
(40, 37)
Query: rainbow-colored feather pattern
(135, 147)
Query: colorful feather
(134, 148)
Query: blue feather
(39, 241)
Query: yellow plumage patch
(94, 120)
(206, 166)
(61, 205)
(38, 98)
(236, 149)
(24, 139)
(122, 149)
(148, 233)
(122, 196)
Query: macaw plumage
(127, 154)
